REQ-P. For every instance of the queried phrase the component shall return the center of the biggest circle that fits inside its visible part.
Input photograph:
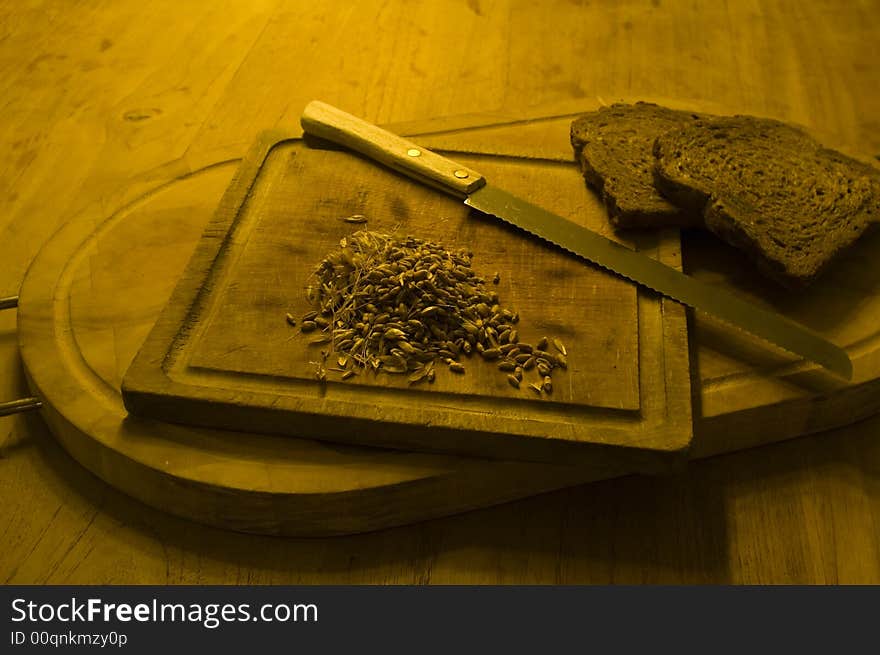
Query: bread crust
(769, 189)
(613, 147)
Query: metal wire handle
(22, 404)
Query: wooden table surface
(97, 93)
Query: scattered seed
(542, 344)
(559, 346)
(406, 346)
(398, 304)
(394, 334)
(548, 384)
(319, 371)
(356, 218)
(536, 387)
(348, 374)
(290, 319)
(514, 381)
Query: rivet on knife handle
(327, 122)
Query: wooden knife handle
(327, 122)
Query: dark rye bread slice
(613, 146)
(769, 189)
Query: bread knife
(326, 122)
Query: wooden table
(96, 94)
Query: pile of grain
(399, 305)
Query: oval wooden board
(87, 303)
(743, 395)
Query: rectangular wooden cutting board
(222, 354)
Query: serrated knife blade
(327, 122)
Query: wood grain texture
(804, 511)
